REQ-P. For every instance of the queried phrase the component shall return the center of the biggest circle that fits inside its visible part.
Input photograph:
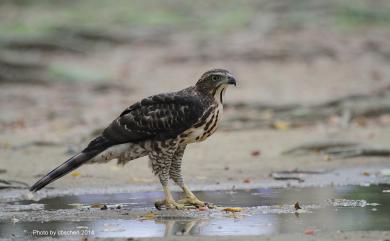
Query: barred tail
(66, 167)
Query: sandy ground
(225, 157)
(43, 125)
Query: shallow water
(266, 211)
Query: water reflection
(268, 218)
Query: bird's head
(214, 82)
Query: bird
(160, 127)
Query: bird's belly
(123, 152)
(204, 131)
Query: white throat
(220, 94)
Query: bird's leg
(176, 176)
(160, 161)
(190, 198)
(161, 165)
(168, 202)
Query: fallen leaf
(309, 231)
(281, 125)
(296, 206)
(365, 173)
(203, 208)
(148, 216)
(75, 174)
(247, 180)
(97, 205)
(233, 210)
(361, 121)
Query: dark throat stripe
(208, 132)
(209, 123)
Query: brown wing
(159, 117)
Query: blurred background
(67, 68)
(73, 61)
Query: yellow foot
(192, 201)
(168, 204)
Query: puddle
(265, 211)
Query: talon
(158, 204)
(194, 201)
(168, 204)
(211, 205)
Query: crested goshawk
(159, 127)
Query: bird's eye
(215, 77)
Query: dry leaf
(75, 174)
(233, 210)
(247, 180)
(365, 173)
(97, 205)
(281, 125)
(309, 231)
(361, 121)
(148, 216)
(203, 208)
(255, 153)
(296, 206)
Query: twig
(11, 184)
(339, 149)
(318, 146)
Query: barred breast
(205, 127)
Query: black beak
(231, 80)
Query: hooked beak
(231, 80)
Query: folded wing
(158, 117)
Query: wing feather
(157, 117)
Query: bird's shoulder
(188, 97)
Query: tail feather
(66, 167)
(96, 146)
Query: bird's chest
(206, 126)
